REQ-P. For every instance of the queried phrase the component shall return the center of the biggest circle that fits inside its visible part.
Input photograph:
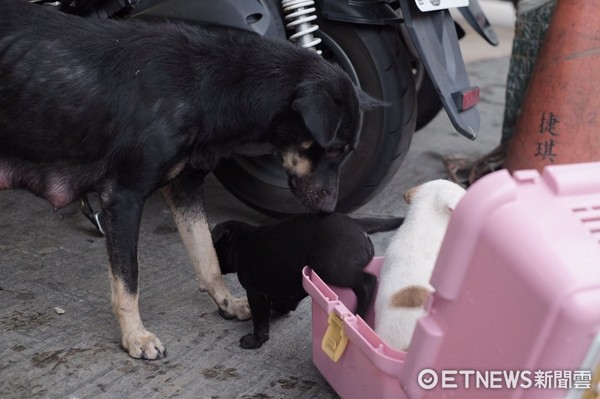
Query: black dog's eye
(334, 151)
(337, 151)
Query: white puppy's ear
(409, 194)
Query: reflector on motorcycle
(467, 98)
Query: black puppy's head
(224, 237)
(318, 134)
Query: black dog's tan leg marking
(139, 342)
(123, 212)
(195, 234)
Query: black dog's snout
(293, 181)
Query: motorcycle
(404, 52)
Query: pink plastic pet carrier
(516, 308)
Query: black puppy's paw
(251, 341)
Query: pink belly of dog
(3, 180)
(59, 195)
(55, 190)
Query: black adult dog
(124, 108)
(269, 261)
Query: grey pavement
(50, 260)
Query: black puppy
(125, 108)
(269, 261)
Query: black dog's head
(318, 134)
(224, 237)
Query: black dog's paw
(251, 341)
(235, 308)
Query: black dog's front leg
(261, 313)
(123, 212)
(186, 200)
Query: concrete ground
(50, 260)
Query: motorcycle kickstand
(96, 218)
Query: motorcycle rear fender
(370, 12)
(260, 16)
(434, 36)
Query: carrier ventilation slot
(590, 217)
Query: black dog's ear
(318, 111)
(366, 102)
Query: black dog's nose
(327, 206)
(293, 181)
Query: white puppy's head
(440, 195)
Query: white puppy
(410, 258)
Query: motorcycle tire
(376, 59)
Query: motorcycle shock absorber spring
(299, 15)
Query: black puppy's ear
(318, 111)
(366, 102)
(219, 232)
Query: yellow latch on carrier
(335, 341)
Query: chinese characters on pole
(548, 127)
